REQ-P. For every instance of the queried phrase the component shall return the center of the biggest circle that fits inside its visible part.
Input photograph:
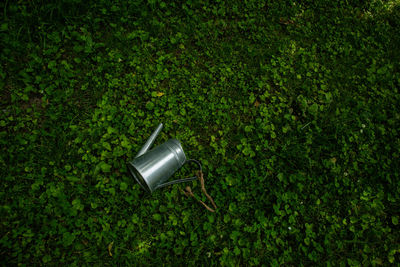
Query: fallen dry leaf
(110, 248)
(285, 21)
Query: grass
(292, 108)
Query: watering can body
(152, 168)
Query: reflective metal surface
(150, 141)
(156, 166)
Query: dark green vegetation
(293, 109)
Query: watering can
(152, 168)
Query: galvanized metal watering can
(152, 168)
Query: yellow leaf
(110, 248)
(160, 93)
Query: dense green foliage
(293, 109)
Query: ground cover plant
(293, 108)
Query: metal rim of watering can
(139, 179)
(144, 185)
(177, 150)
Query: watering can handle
(182, 180)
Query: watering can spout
(150, 141)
